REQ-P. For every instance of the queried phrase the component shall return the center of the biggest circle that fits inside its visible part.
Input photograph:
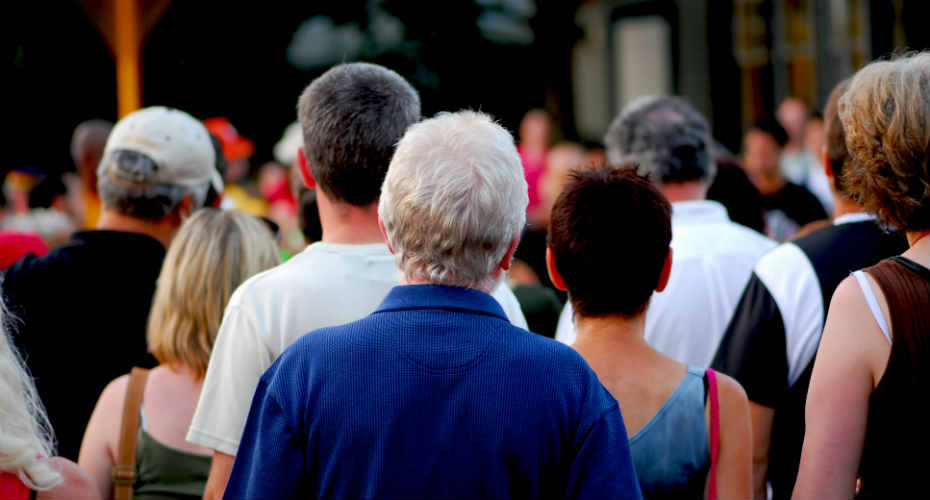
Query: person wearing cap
(83, 307)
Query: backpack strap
(124, 472)
(714, 432)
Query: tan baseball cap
(177, 143)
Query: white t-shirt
(327, 284)
(711, 262)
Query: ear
(508, 257)
(182, 211)
(825, 160)
(384, 234)
(553, 271)
(303, 168)
(666, 272)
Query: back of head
(454, 199)
(154, 158)
(212, 254)
(835, 137)
(25, 434)
(665, 137)
(87, 143)
(352, 117)
(609, 232)
(886, 118)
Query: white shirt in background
(325, 285)
(711, 263)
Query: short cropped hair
(665, 137)
(610, 232)
(886, 117)
(352, 117)
(454, 199)
(835, 137)
(772, 128)
(212, 254)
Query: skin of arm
(850, 361)
(734, 459)
(98, 449)
(219, 475)
(762, 417)
(77, 484)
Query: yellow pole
(127, 50)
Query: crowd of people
(354, 319)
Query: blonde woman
(26, 439)
(212, 254)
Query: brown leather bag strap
(124, 472)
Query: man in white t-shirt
(351, 116)
(712, 256)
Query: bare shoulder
(733, 399)
(114, 394)
(77, 483)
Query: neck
(843, 205)
(919, 251)
(348, 224)
(768, 183)
(611, 337)
(162, 230)
(684, 191)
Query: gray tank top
(672, 451)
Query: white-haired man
(436, 394)
(713, 256)
(84, 306)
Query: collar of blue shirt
(407, 297)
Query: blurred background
(579, 60)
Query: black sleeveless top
(897, 441)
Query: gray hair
(352, 116)
(665, 137)
(26, 438)
(129, 190)
(454, 199)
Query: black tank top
(897, 442)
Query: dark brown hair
(610, 232)
(835, 137)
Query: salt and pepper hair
(453, 200)
(26, 438)
(886, 116)
(665, 137)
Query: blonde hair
(886, 118)
(212, 254)
(26, 438)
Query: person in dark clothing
(787, 206)
(770, 342)
(83, 308)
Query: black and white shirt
(770, 342)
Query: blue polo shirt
(436, 395)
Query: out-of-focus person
(237, 150)
(213, 252)
(770, 343)
(732, 188)
(352, 117)
(794, 159)
(14, 244)
(713, 256)
(84, 306)
(787, 205)
(87, 144)
(816, 181)
(440, 396)
(28, 467)
(670, 408)
(865, 412)
(535, 136)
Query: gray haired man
(712, 256)
(85, 305)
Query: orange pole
(127, 49)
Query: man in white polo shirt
(712, 256)
(351, 116)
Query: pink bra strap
(714, 432)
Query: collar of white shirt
(853, 217)
(699, 212)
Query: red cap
(235, 147)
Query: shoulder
(76, 484)
(782, 263)
(730, 391)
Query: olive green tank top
(163, 472)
